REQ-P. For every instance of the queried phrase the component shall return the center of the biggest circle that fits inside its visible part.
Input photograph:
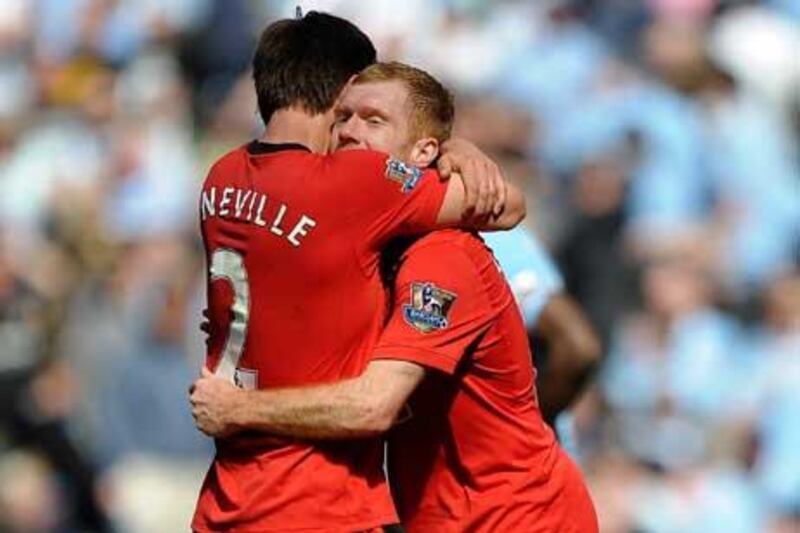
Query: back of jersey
(292, 242)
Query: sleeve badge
(407, 176)
(429, 307)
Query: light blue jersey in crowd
(529, 269)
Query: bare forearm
(513, 212)
(358, 407)
(335, 411)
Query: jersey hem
(346, 528)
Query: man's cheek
(334, 144)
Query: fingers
(484, 192)
(502, 196)
(445, 167)
(499, 188)
(202, 426)
(494, 187)
(491, 189)
(200, 416)
(199, 413)
(472, 187)
(204, 373)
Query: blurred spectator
(759, 218)
(153, 354)
(32, 502)
(594, 255)
(557, 60)
(671, 374)
(36, 398)
(215, 53)
(772, 400)
(657, 140)
(148, 435)
(759, 46)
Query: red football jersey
(476, 454)
(293, 241)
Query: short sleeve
(402, 199)
(440, 309)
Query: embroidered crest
(408, 176)
(429, 307)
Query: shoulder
(450, 252)
(225, 166)
(458, 259)
(369, 163)
(366, 162)
(229, 158)
(357, 156)
(457, 240)
(456, 267)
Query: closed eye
(342, 117)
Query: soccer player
(293, 240)
(475, 454)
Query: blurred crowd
(659, 142)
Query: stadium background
(658, 141)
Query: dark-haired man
(293, 239)
(475, 454)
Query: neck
(296, 126)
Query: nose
(350, 132)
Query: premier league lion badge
(429, 307)
(408, 176)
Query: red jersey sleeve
(440, 307)
(401, 199)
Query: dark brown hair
(307, 61)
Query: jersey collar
(257, 147)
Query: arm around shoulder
(452, 212)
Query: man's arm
(368, 405)
(477, 195)
(573, 354)
(456, 213)
(360, 407)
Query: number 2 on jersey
(228, 264)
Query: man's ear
(424, 152)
